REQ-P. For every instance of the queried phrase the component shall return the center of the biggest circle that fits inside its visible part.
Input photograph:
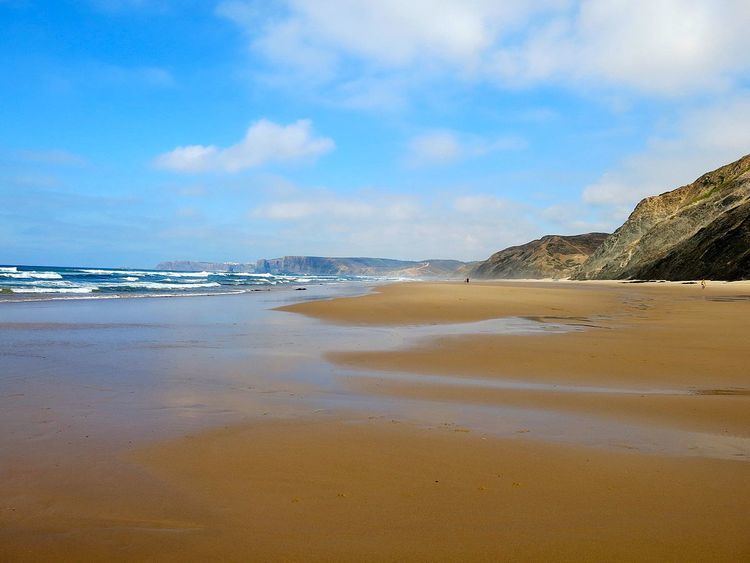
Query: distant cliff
(552, 256)
(320, 265)
(190, 266)
(701, 230)
(324, 266)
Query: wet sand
(653, 334)
(643, 336)
(357, 432)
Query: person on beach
(467, 280)
(703, 284)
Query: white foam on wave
(31, 275)
(157, 285)
(8, 269)
(120, 296)
(100, 272)
(29, 282)
(32, 289)
(184, 281)
(186, 274)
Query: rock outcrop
(191, 266)
(701, 230)
(552, 256)
(324, 266)
(379, 267)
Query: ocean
(44, 283)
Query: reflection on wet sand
(224, 424)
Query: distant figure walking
(467, 280)
(703, 284)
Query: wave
(101, 272)
(156, 285)
(96, 296)
(109, 283)
(188, 274)
(188, 281)
(31, 275)
(32, 289)
(68, 287)
(47, 283)
(245, 274)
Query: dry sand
(357, 486)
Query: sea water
(41, 282)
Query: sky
(136, 131)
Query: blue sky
(135, 131)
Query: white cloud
(661, 47)
(387, 32)
(443, 147)
(265, 142)
(704, 139)
(378, 224)
(369, 54)
(665, 47)
(332, 208)
(327, 206)
(574, 218)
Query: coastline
(245, 439)
(680, 350)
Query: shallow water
(102, 375)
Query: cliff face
(324, 266)
(191, 266)
(701, 230)
(552, 256)
(319, 265)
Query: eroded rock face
(321, 265)
(701, 230)
(552, 256)
(194, 266)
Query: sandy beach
(374, 281)
(610, 422)
(643, 336)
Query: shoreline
(242, 439)
(640, 337)
(22, 297)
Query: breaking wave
(109, 283)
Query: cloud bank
(659, 47)
(264, 142)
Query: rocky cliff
(701, 230)
(324, 266)
(552, 256)
(319, 265)
(191, 266)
